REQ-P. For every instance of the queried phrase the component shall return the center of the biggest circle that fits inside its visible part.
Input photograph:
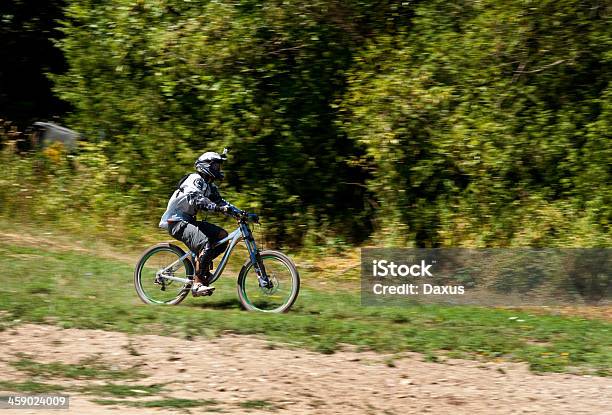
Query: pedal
(206, 293)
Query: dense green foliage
(489, 121)
(428, 123)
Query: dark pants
(199, 236)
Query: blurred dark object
(588, 273)
(27, 54)
(46, 133)
(36, 137)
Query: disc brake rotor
(161, 276)
(274, 288)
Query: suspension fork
(255, 256)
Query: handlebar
(248, 217)
(242, 215)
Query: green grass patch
(109, 389)
(160, 403)
(29, 387)
(86, 369)
(258, 404)
(82, 291)
(113, 389)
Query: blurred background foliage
(438, 123)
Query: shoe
(206, 277)
(198, 289)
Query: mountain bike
(268, 281)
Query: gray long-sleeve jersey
(193, 195)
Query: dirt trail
(236, 369)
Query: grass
(83, 291)
(29, 387)
(109, 389)
(160, 403)
(258, 404)
(87, 369)
(122, 391)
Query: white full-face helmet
(209, 165)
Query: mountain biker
(197, 192)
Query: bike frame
(242, 233)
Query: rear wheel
(285, 284)
(149, 277)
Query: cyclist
(197, 192)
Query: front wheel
(285, 284)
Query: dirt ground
(236, 369)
